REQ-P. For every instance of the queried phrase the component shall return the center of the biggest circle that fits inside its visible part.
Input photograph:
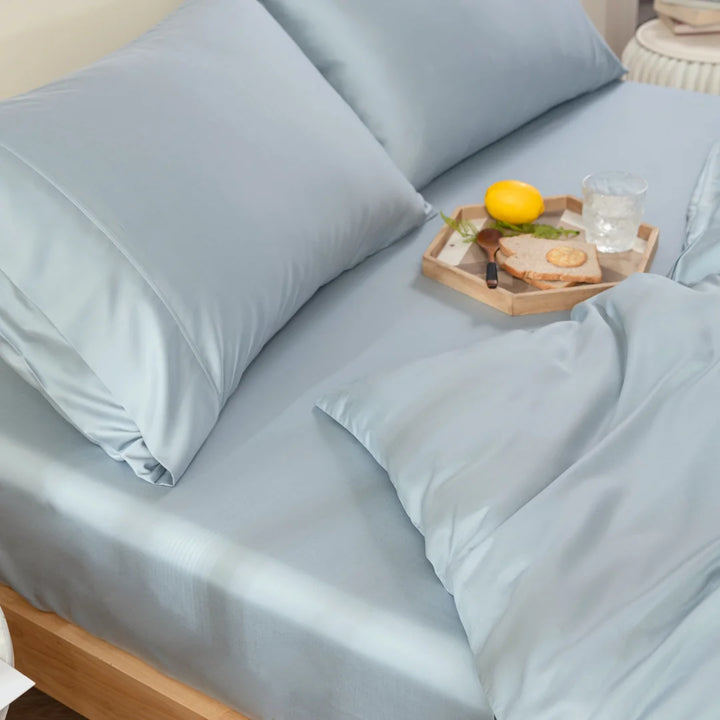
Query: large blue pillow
(164, 212)
(437, 80)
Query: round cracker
(566, 257)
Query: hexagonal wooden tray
(461, 265)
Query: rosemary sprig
(537, 229)
(464, 228)
(468, 232)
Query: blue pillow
(165, 211)
(437, 81)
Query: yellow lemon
(514, 202)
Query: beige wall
(41, 40)
(615, 19)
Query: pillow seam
(95, 223)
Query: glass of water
(613, 204)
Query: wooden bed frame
(94, 678)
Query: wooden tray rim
(553, 203)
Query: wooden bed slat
(95, 678)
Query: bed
(280, 577)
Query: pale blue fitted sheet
(281, 574)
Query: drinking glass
(613, 204)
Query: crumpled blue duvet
(567, 482)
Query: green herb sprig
(468, 231)
(464, 228)
(537, 229)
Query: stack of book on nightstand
(690, 17)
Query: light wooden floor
(33, 705)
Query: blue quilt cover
(566, 482)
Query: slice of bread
(526, 258)
(500, 258)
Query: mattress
(281, 575)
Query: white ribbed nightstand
(659, 57)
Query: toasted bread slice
(526, 258)
(500, 258)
